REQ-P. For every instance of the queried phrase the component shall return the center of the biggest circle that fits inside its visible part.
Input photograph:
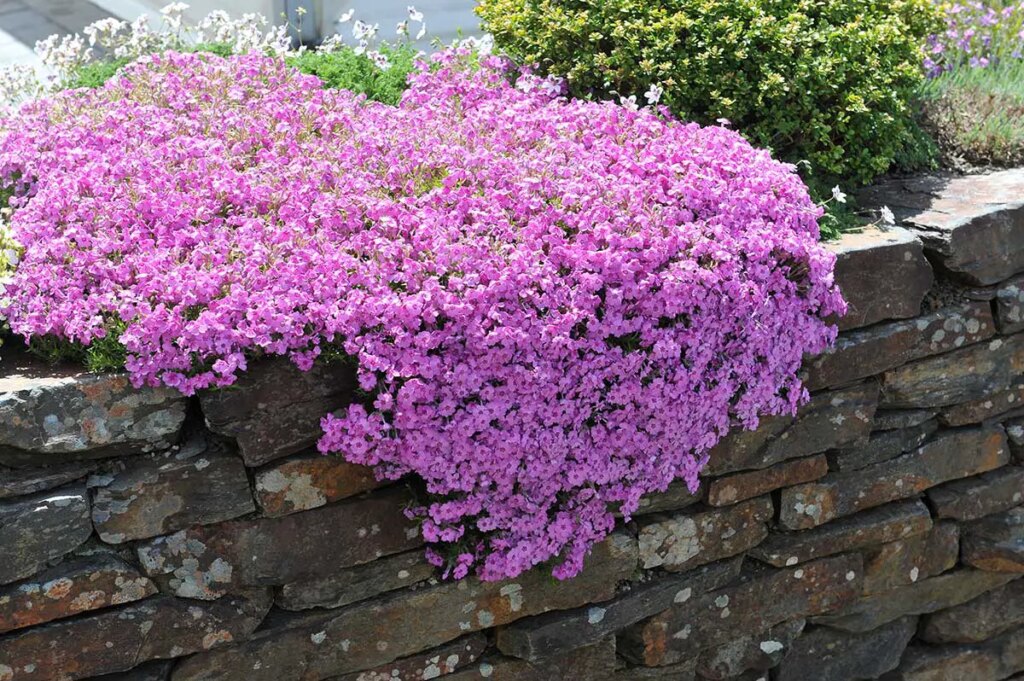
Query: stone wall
(878, 534)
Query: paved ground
(23, 22)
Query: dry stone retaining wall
(879, 534)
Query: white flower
(402, 28)
(363, 31)
(346, 17)
(415, 14)
(422, 32)
(838, 194)
(629, 102)
(300, 12)
(887, 216)
(174, 8)
(360, 48)
(380, 60)
(653, 94)
(724, 122)
(12, 256)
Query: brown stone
(1010, 306)
(743, 486)
(944, 458)
(353, 584)
(321, 644)
(121, 638)
(309, 481)
(440, 661)
(765, 598)
(165, 492)
(996, 542)
(972, 225)
(42, 527)
(883, 274)
(880, 525)
(676, 497)
(207, 562)
(595, 662)
(906, 561)
(685, 671)
(831, 419)
(882, 446)
(549, 635)
(55, 415)
(686, 540)
(896, 419)
(157, 670)
(998, 658)
(985, 408)
(73, 587)
(978, 620)
(973, 373)
(759, 652)
(829, 655)
(867, 352)
(17, 482)
(973, 498)
(274, 408)
(924, 596)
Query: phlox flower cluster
(978, 34)
(556, 307)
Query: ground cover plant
(555, 306)
(973, 102)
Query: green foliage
(977, 115)
(103, 354)
(345, 69)
(826, 82)
(340, 68)
(94, 74)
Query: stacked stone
(878, 534)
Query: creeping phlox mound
(556, 307)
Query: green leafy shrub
(825, 82)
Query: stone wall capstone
(877, 534)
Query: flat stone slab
(952, 455)
(686, 540)
(309, 481)
(882, 274)
(274, 408)
(209, 561)
(831, 419)
(17, 482)
(995, 542)
(164, 493)
(978, 620)
(829, 655)
(73, 587)
(972, 225)
(907, 561)
(928, 595)
(545, 636)
(54, 415)
(763, 599)
(880, 525)
(972, 373)
(41, 527)
(118, 639)
(329, 643)
(357, 583)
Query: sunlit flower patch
(555, 306)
